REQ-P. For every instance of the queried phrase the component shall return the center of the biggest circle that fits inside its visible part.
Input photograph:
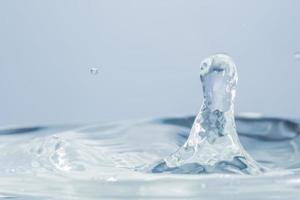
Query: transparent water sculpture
(213, 145)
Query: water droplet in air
(94, 70)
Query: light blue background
(148, 54)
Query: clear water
(106, 160)
(244, 157)
(213, 145)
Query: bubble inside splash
(213, 145)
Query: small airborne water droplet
(94, 70)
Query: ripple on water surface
(97, 160)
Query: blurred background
(69, 61)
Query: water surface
(107, 160)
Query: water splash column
(213, 145)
